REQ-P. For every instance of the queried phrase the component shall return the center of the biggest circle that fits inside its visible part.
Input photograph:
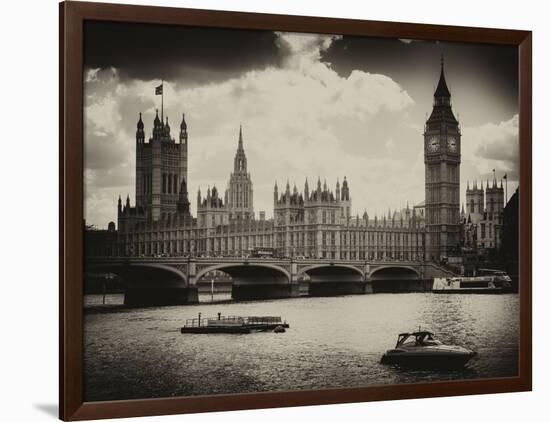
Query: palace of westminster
(314, 223)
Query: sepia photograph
(272, 211)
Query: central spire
(240, 156)
(241, 137)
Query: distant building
(316, 223)
(101, 242)
(161, 176)
(319, 224)
(483, 217)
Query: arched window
(163, 183)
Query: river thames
(331, 343)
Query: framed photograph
(266, 210)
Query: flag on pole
(505, 177)
(158, 90)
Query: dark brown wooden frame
(71, 18)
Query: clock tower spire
(442, 174)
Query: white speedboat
(421, 350)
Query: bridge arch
(334, 279)
(127, 270)
(236, 269)
(150, 284)
(336, 268)
(403, 270)
(255, 281)
(397, 279)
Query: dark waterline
(332, 343)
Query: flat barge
(234, 324)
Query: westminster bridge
(173, 280)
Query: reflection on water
(96, 300)
(332, 342)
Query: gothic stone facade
(442, 175)
(314, 224)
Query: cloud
(390, 145)
(188, 54)
(300, 120)
(493, 146)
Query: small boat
(233, 324)
(489, 282)
(420, 349)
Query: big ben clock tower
(442, 175)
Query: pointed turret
(183, 130)
(119, 204)
(275, 193)
(140, 133)
(345, 190)
(183, 200)
(183, 124)
(157, 126)
(442, 91)
(306, 190)
(157, 122)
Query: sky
(311, 106)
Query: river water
(331, 343)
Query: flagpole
(162, 101)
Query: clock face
(451, 144)
(433, 143)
